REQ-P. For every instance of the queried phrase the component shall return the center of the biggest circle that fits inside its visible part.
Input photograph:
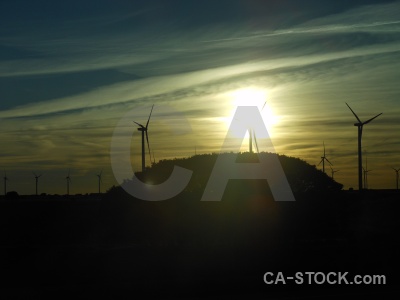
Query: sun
(255, 97)
(249, 97)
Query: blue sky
(70, 71)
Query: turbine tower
(68, 178)
(323, 158)
(5, 183)
(397, 177)
(37, 181)
(143, 129)
(333, 172)
(100, 181)
(360, 125)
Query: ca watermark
(225, 168)
(334, 278)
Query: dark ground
(117, 247)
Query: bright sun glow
(255, 97)
(249, 97)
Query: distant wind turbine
(37, 181)
(333, 172)
(360, 125)
(323, 158)
(366, 172)
(252, 135)
(68, 178)
(144, 129)
(397, 177)
(5, 183)
(100, 181)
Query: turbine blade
(324, 147)
(320, 162)
(147, 124)
(264, 105)
(255, 141)
(148, 144)
(328, 161)
(138, 124)
(354, 113)
(366, 122)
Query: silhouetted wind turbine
(323, 158)
(100, 181)
(333, 172)
(68, 178)
(366, 172)
(252, 135)
(397, 177)
(5, 183)
(143, 129)
(360, 128)
(37, 181)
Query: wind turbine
(37, 181)
(360, 125)
(333, 172)
(323, 158)
(100, 181)
(252, 135)
(68, 178)
(5, 183)
(143, 129)
(366, 172)
(397, 177)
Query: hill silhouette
(302, 177)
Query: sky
(71, 70)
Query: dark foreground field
(117, 247)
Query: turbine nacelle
(141, 128)
(37, 176)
